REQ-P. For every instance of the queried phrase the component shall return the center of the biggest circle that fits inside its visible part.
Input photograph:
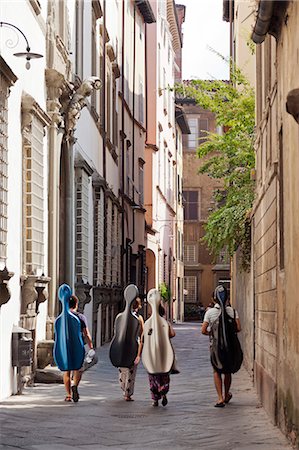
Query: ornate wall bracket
(41, 289)
(5, 276)
(83, 293)
(33, 293)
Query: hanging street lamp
(28, 54)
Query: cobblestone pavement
(40, 419)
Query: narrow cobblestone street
(102, 419)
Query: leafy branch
(228, 157)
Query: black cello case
(124, 344)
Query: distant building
(202, 272)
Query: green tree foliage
(164, 292)
(228, 157)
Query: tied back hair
(220, 296)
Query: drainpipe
(104, 125)
(231, 31)
(133, 125)
(123, 147)
(262, 24)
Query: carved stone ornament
(5, 276)
(78, 101)
(83, 293)
(33, 291)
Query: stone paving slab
(40, 419)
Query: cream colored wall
(288, 301)
(243, 22)
(32, 82)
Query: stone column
(56, 84)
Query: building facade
(75, 168)
(163, 169)
(23, 190)
(273, 342)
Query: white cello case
(157, 354)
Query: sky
(204, 28)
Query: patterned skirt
(127, 379)
(159, 385)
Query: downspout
(145, 79)
(262, 23)
(231, 31)
(104, 125)
(122, 147)
(133, 125)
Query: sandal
(228, 398)
(164, 400)
(75, 393)
(128, 399)
(155, 403)
(68, 398)
(219, 405)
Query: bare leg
(77, 377)
(67, 382)
(218, 386)
(227, 384)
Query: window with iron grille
(99, 237)
(108, 255)
(34, 198)
(3, 168)
(190, 254)
(114, 252)
(190, 285)
(82, 214)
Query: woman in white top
(220, 295)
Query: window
(193, 136)
(191, 207)
(94, 59)
(34, 208)
(116, 245)
(99, 236)
(140, 183)
(82, 225)
(190, 285)
(223, 257)
(203, 128)
(165, 96)
(141, 106)
(108, 255)
(190, 255)
(108, 105)
(33, 121)
(3, 168)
